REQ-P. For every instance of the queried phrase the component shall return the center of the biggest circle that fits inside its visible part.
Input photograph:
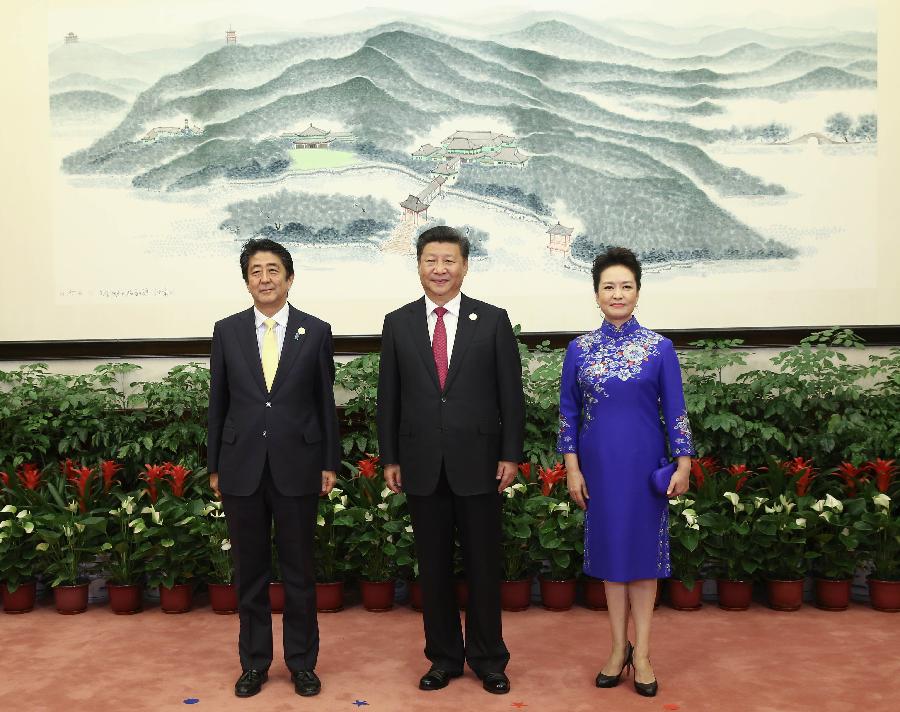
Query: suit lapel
(293, 343)
(250, 347)
(418, 327)
(465, 329)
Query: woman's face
(617, 294)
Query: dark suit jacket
(295, 425)
(477, 420)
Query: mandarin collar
(618, 332)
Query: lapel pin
(473, 316)
(300, 332)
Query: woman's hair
(616, 256)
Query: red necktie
(439, 346)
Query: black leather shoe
(497, 683)
(306, 683)
(613, 680)
(436, 679)
(250, 682)
(647, 689)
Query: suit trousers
(249, 522)
(477, 521)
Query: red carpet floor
(756, 660)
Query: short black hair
(443, 233)
(251, 247)
(616, 256)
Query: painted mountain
(607, 121)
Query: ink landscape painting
(734, 156)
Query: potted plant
(780, 532)
(68, 538)
(332, 524)
(835, 540)
(559, 546)
(686, 553)
(18, 559)
(212, 529)
(179, 553)
(127, 550)
(729, 545)
(372, 544)
(881, 527)
(516, 537)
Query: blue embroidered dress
(615, 384)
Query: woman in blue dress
(616, 382)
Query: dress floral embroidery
(616, 383)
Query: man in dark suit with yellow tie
(273, 448)
(451, 425)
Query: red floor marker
(519, 705)
(671, 706)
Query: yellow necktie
(269, 353)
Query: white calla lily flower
(732, 497)
(226, 545)
(882, 500)
(8, 509)
(834, 503)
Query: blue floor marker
(191, 701)
(361, 703)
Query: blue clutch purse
(660, 477)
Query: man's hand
(392, 478)
(214, 484)
(506, 473)
(328, 480)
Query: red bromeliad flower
(29, 476)
(68, 468)
(742, 473)
(4, 478)
(851, 475)
(804, 472)
(153, 475)
(109, 468)
(702, 466)
(80, 477)
(525, 469)
(368, 467)
(549, 476)
(884, 473)
(179, 474)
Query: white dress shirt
(451, 319)
(281, 320)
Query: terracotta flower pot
(683, 599)
(832, 595)
(330, 597)
(734, 595)
(884, 595)
(70, 600)
(377, 595)
(594, 594)
(124, 599)
(515, 595)
(177, 599)
(415, 595)
(461, 589)
(19, 601)
(785, 595)
(557, 595)
(276, 596)
(223, 598)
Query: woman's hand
(577, 487)
(680, 480)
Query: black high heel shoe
(647, 689)
(613, 680)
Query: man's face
(441, 271)
(267, 282)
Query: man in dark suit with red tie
(273, 448)
(451, 424)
